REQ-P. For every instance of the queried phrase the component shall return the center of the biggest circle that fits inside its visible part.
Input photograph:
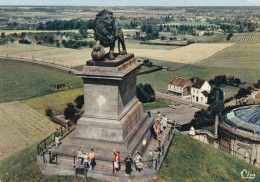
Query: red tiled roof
(198, 83)
(179, 81)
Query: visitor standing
(79, 155)
(116, 160)
(128, 164)
(56, 137)
(138, 162)
(91, 157)
(85, 159)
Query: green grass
(191, 160)
(20, 81)
(158, 104)
(56, 101)
(240, 60)
(22, 166)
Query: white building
(200, 91)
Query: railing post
(38, 149)
(50, 156)
(45, 143)
(74, 159)
(61, 131)
(156, 163)
(113, 167)
(43, 157)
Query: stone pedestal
(113, 117)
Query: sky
(132, 2)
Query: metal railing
(48, 142)
(155, 163)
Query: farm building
(179, 86)
(200, 90)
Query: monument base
(113, 117)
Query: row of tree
(65, 24)
(220, 80)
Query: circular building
(239, 133)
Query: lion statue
(106, 32)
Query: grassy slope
(241, 60)
(191, 160)
(56, 101)
(22, 166)
(20, 81)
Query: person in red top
(116, 160)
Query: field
(56, 101)
(71, 57)
(7, 32)
(237, 38)
(20, 127)
(240, 60)
(20, 81)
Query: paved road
(182, 114)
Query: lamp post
(159, 147)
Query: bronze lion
(106, 31)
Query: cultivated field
(238, 38)
(72, 57)
(20, 127)
(7, 32)
(20, 81)
(188, 55)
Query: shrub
(79, 101)
(145, 93)
(49, 112)
(69, 111)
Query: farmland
(20, 81)
(20, 127)
(240, 60)
(238, 38)
(71, 57)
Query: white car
(172, 106)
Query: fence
(153, 164)
(48, 142)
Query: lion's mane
(106, 36)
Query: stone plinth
(113, 117)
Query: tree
(69, 111)
(145, 93)
(51, 40)
(215, 94)
(79, 101)
(216, 108)
(3, 35)
(83, 30)
(201, 119)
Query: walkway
(41, 63)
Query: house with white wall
(200, 91)
(179, 86)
